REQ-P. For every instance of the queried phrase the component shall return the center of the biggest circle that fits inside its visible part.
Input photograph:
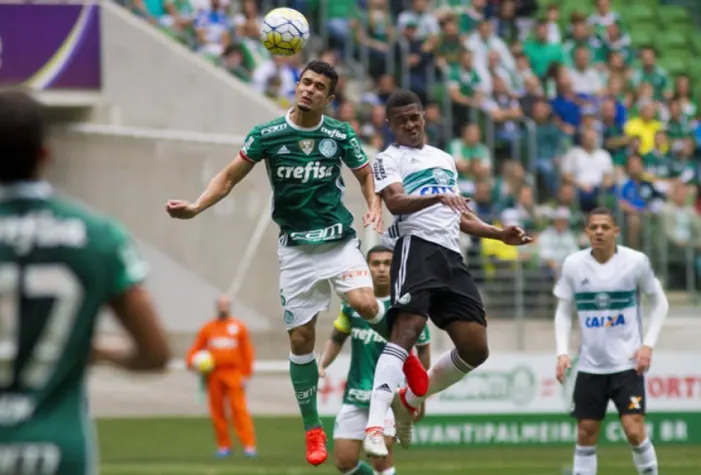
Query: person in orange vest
(228, 341)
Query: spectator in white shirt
(481, 42)
(586, 79)
(557, 241)
(590, 169)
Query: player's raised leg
(348, 436)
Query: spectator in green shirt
(686, 97)
(679, 130)
(450, 45)
(466, 91)
(549, 141)
(651, 73)
(613, 40)
(472, 159)
(540, 52)
(581, 36)
(338, 17)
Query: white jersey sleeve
(647, 281)
(564, 290)
(385, 169)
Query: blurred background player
(366, 348)
(418, 182)
(318, 247)
(56, 274)
(603, 283)
(229, 343)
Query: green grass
(185, 446)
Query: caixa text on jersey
(605, 322)
(436, 190)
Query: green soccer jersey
(304, 167)
(366, 348)
(58, 265)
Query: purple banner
(50, 46)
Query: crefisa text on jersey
(41, 229)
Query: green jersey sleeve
(425, 337)
(252, 149)
(129, 268)
(342, 322)
(353, 154)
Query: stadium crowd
(550, 108)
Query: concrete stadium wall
(152, 81)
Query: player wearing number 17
(58, 265)
(318, 248)
(604, 284)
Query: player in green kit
(366, 348)
(59, 265)
(318, 249)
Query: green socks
(304, 374)
(361, 469)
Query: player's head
(405, 115)
(223, 306)
(22, 152)
(380, 260)
(316, 86)
(601, 228)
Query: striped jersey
(607, 297)
(422, 171)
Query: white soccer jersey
(609, 310)
(425, 171)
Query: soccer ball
(203, 361)
(284, 31)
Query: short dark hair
(325, 69)
(401, 98)
(601, 211)
(377, 249)
(21, 135)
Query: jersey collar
(303, 129)
(25, 189)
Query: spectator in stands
(682, 228)
(651, 73)
(338, 22)
(508, 185)
(590, 169)
(468, 14)
(179, 20)
(505, 22)
(526, 209)
(213, 31)
(376, 130)
(616, 48)
(384, 87)
(473, 159)
(273, 91)
(495, 69)
(150, 10)
(552, 14)
(541, 53)
(483, 203)
(505, 111)
(581, 36)
(636, 196)
(533, 94)
(686, 97)
(549, 141)
(566, 109)
(615, 142)
(247, 21)
(233, 61)
(678, 128)
(644, 127)
(279, 66)
(417, 53)
(450, 45)
(346, 111)
(603, 17)
(435, 126)
(557, 241)
(427, 28)
(586, 79)
(375, 31)
(481, 42)
(466, 91)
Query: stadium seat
(675, 65)
(642, 35)
(695, 41)
(673, 16)
(671, 40)
(638, 13)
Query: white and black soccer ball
(284, 31)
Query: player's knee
(587, 432)
(366, 306)
(381, 464)
(474, 355)
(345, 462)
(407, 329)
(634, 429)
(302, 340)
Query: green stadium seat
(643, 35)
(675, 65)
(695, 41)
(638, 13)
(695, 72)
(671, 40)
(673, 16)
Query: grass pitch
(185, 446)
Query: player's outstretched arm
(471, 224)
(220, 186)
(332, 348)
(367, 186)
(563, 328)
(150, 350)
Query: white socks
(389, 374)
(584, 460)
(645, 458)
(448, 370)
(389, 471)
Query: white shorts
(352, 420)
(308, 272)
